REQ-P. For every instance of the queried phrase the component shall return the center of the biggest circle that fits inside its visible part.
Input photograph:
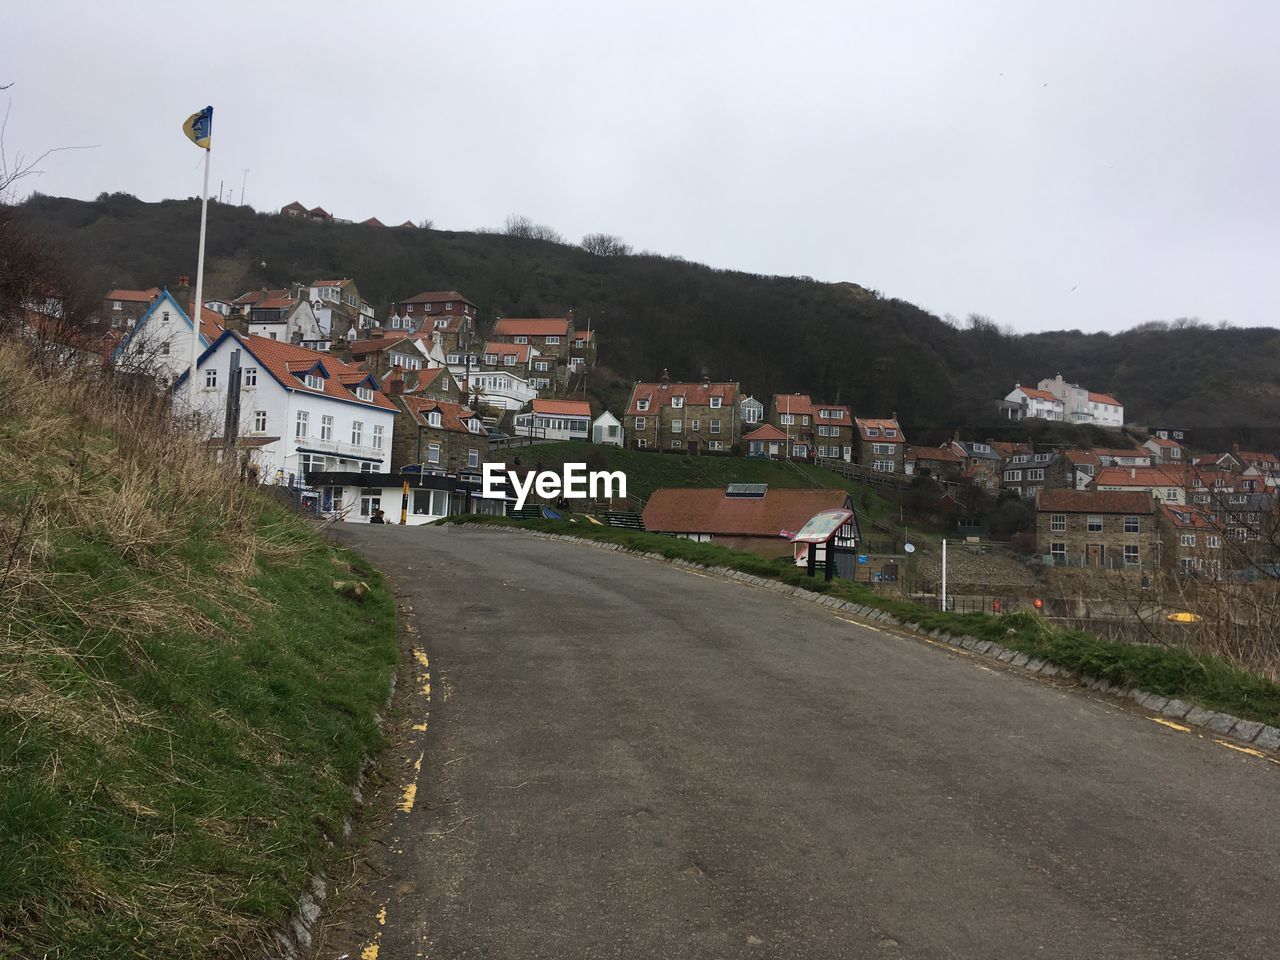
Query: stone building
(1106, 529)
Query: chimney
(706, 379)
(393, 383)
(664, 381)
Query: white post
(944, 574)
(195, 319)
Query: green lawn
(185, 701)
(647, 472)
(1208, 681)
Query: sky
(1051, 165)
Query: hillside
(775, 334)
(185, 701)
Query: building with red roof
(880, 444)
(1105, 529)
(683, 417)
(555, 420)
(1166, 484)
(159, 343)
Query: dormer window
(553, 341)
(677, 402)
(442, 323)
(314, 381)
(873, 431)
(642, 404)
(716, 402)
(433, 418)
(364, 393)
(890, 432)
(520, 339)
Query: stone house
(881, 447)
(437, 436)
(683, 417)
(1104, 529)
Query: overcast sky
(1079, 164)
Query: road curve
(626, 759)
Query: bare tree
(518, 225)
(605, 245)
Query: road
(627, 759)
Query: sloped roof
(253, 297)
(1138, 477)
(134, 296)
(360, 348)
(1104, 398)
(1094, 501)
(709, 510)
(287, 362)
(519, 350)
(871, 423)
(1189, 518)
(941, 454)
(767, 432)
(453, 416)
(436, 296)
(372, 222)
(793, 403)
(416, 381)
(847, 413)
(1164, 442)
(563, 408)
(693, 394)
(1035, 393)
(534, 327)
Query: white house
(607, 429)
(503, 389)
(1029, 403)
(1085, 406)
(556, 420)
(160, 342)
(353, 497)
(300, 411)
(285, 318)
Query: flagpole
(199, 305)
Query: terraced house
(551, 337)
(881, 445)
(683, 417)
(1105, 529)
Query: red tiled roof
(286, 362)
(1138, 477)
(1104, 398)
(563, 408)
(436, 296)
(766, 432)
(372, 222)
(332, 283)
(709, 510)
(520, 350)
(211, 327)
(1163, 442)
(1094, 501)
(694, 394)
(254, 296)
(416, 381)
(537, 327)
(584, 335)
(1081, 457)
(134, 296)
(793, 403)
(1122, 452)
(866, 423)
(453, 416)
(941, 454)
(1037, 394)
(1188, 518)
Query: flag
(199, 127)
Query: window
(457, 358)
(364, 393)
(541, 365)
(300, 425)
(715, 425)
(1171, 494)
(520, 339)
(642, 404)
(804, 420)
(695, 424)
(882, 466)
(873, 431)
(164, 316)
(433, 418)
(1094, 524)
(377, 437)
(884, 449)
(1130, 554)
(1058, 551)
(117, 305)
(677, 402)
(473, 458)
(716, 402)
(1130, 524)
(366, 467)
(313, 381)
(553, 341)
(641, 443)
(1213, 543)
(326, 427)
(1010, 476)
(433, 453)
(787, 419)
(249, 376)
(715, 445)
(1035, 474)
(1187, 540)
(210, 379)
(1058, 522)
(259, 421)
(677, 444)
(639, 423)
(890, 432)
(677, 426)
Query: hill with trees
(838, 341)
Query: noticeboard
(823, 526)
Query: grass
(185, 701)
(1204, 679)
(647, 472)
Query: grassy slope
(647, 472)
(184, 700)
(1208, 681)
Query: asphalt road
(625, 759)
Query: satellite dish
(910, 548)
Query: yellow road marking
(1249, 750)
(1170, 724)
(411, 791)
(370, 951)
(419, 727)
(420, 657)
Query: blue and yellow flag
(199, 127)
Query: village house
(881, 446)
(288, 319)
(437, 436)
(435, 382)
(582, 350)
(833, 432)
(555, 420)
(747, 516)
(1024, 470)
(299, 212)
(1123, 457)
(550, 337)
(767, 442)
(793, 415)
(1030, 403)
(683, 417)
(1072, 469)
(607, 429)
(338, 307)
(1192, 542)
(421, 311)
(1167, 485)
(355, 497)
(981, 465)
(1111, 530)
(300, 410)
(159, 344)
(121, 309)
(940, 463)
(379, 355)
(1164, 450)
